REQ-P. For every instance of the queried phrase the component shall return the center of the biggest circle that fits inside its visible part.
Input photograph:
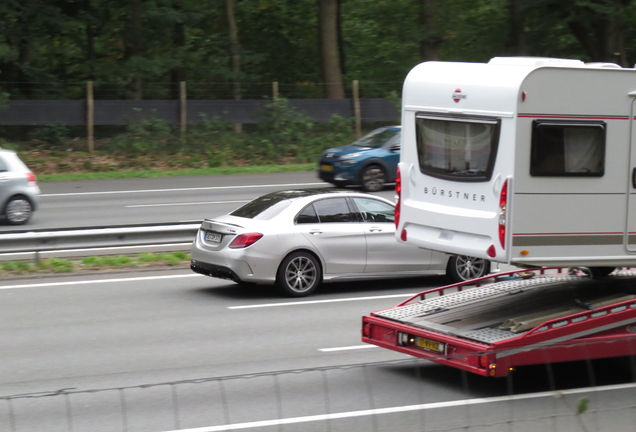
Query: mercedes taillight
(245, 240)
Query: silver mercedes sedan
(298, 239)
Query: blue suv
(369, 162)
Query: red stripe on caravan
(566, 233)
(574, 117)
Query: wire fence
(404, 395)
(195, 90)
(125, 112)
(54, 112)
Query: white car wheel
(18, 211)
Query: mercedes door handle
(375, 229)
(315, 232)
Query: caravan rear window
(567, 149)
(460, 149)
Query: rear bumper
(339, 175)
(214, 270)
(459, 354)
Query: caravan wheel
(600, 272)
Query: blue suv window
(377, 138)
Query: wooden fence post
(183, 107)
(90, 116)
(275, 89)
(356, 108)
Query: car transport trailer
(490, 325)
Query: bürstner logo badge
(458, 95)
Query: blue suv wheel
(372, 178)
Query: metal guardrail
(87, 238)
(343, 398)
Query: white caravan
(525, 161)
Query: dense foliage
(142, 48)
(237, 49)
(283, 136)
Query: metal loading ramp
(506, 309)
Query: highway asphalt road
(93, 203)
(231, 356)
(133, 329)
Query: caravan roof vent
(535, 61)
(603, 65)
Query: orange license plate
(431, 345)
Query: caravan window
(567, 149)
(460, 149)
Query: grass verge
(262, 169)
(93, 263)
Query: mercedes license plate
(213, 237)
(326, 167)
(431, 345)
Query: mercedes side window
(568, 149)
(374, 211)
(308, 215)
(334, 210)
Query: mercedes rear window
(263, 208)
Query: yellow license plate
(431, 345)
(326, 167)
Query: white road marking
(298, 303)
(284, 185)
(401, 409)
(186, 204)
(348, 348)
(98, 281)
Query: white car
(298, 239)
(19, 190)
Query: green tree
(329, 30)
(597, 25)
(25, 24)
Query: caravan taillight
(398, 195)
(503, 203)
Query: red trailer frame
(605, 331)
